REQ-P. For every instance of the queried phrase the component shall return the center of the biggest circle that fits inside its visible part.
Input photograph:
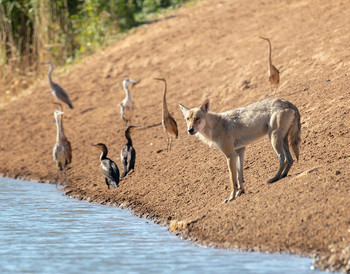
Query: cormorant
(109, 168)
(128, 154)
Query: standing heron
(127, 105)
(56, 90)
(64, 137)
(128, 153)
(273, 73)
(168, 122)
(109, 168)
(60, 152)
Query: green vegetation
(33, 31)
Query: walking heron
(56, 90)
(168, 122)
(273, 73)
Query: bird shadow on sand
(87, 110)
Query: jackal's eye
(196, 119)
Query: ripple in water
(43, 231)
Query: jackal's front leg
(231, 163)
(239, 165)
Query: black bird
(128, 153)
(57, 91)
(109, 168)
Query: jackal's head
(195, 117)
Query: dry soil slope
(209, 50)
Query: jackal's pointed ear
(205, 106)
(184, 109)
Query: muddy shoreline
(321, 261)
(208, 50)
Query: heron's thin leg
(170, 143)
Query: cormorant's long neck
(104, 153)
(128, 137)
(165, 107)
(127, 92)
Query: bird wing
(173, 125)
(122, 110)
(110, 170)
(131, 158)
(124, 156)
(62, 95)
(69, 150)
(60, 156)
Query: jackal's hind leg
(289, 159)
(277, 144)
(280, 125)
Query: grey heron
(56, 90)
(127, 105)
(60, 152)
(168, 122)
(64, 137)
(273, 73)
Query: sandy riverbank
(209, 50)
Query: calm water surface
(43, 231)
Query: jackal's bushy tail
(295, 134)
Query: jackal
(232, 130)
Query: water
(43, 231)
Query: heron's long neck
(58, 137)
(61, 125)
(104, 154)
(270, 60)
(127, 92)
(165, 107)
(50, 72)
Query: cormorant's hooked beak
(96, 145)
